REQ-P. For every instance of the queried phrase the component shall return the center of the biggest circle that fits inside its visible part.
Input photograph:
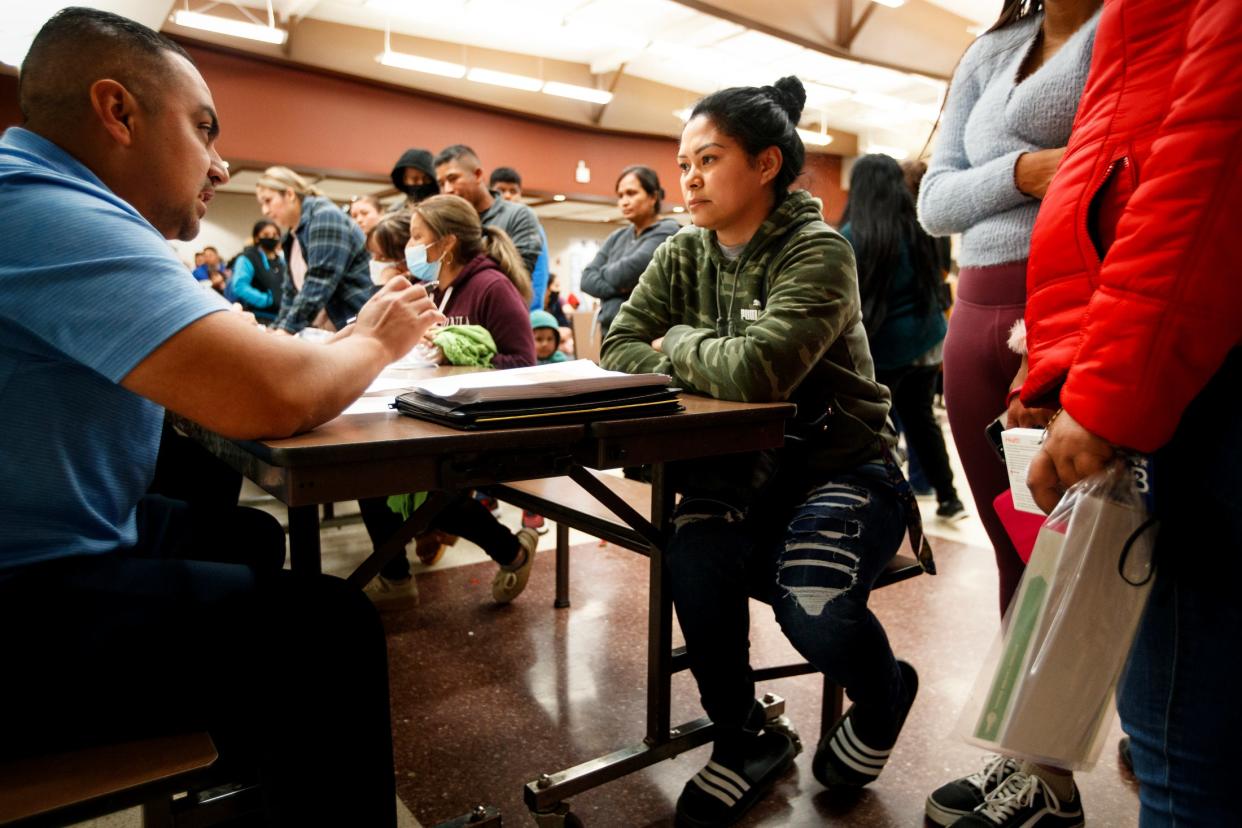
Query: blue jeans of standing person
(812, 548)
(1179, 698)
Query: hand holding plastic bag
(1046, 691)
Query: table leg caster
(558, 817)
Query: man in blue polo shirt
(122, 614)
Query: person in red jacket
(1134, 320)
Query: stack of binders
(567, 392)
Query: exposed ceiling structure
(875, 74)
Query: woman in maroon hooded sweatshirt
(478, 275)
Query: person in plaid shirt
(329, 267)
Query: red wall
(273, 114)
(296, 117)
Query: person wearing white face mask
(386, 241)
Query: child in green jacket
(759, 302)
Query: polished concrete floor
(486, 698)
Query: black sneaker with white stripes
(734, 779)
(1025, 801)
(849, 755)
(954, 800)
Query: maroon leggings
(978, 368)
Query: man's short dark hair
(504, 175)
(458, 152)
(77, 47)
(212, 249)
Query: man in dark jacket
(414, 175)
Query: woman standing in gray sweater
(1003, 131)
(614, 271)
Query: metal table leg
(304, 539)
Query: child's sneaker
(1024, 800)
(530, 520)
(954, 800)
(850, 759)
(430, 546)
(511, 579)
(735, 778)
(392, 595)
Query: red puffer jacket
(1151, 183)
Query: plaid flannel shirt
(338, 277)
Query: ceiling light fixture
(505, 79)
(232, 28)
(417, 63)
(558, 197)
(578, 93)
(892, 4)
(816, 139)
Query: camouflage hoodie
(781, 322)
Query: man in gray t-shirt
(459, 173)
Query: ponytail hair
(450, 215)
(501, 248)
(281, 179)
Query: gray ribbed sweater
(988, 122)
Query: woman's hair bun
(790, 95)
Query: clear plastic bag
(1045, 693)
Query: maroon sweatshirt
(483, 295)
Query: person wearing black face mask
(259, 272)
(415, 175)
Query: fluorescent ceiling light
(505, 79)
(817, 139)
(579, 93)
(679, 209)
(883, 149)
(682, 115)
(232, 28)
(558, 197)
(416, 63)
(892, 4)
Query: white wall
(226, 227)
(571, 246)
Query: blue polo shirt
(88, 288)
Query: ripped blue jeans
(810, 549)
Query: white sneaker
(389, 595)
(511, 580)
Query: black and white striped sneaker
(954, 800)
(847, 759)
(723, 790)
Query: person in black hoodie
(415, 175)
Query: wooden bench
(63, 788)
(564, 501)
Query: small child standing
(547, 338)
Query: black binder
(616, 404)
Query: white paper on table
(558, 379)
(371, 405)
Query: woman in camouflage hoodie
(759, 302)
